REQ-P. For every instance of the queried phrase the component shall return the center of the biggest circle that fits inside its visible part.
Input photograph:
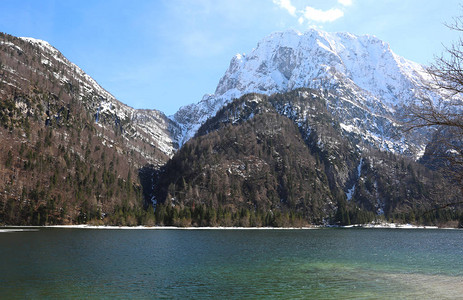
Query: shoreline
(11, 228)
(84, 226)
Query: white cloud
(286, 4)
(314, 15)
(323, 16)
(345, 2)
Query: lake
(233, 264)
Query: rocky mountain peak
(360, 71)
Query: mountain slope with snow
(145, 131)
(367, 85)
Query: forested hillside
(258, 163)
(63, 159)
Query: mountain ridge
(288, 53)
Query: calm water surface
(237, 264)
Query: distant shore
(10, 228)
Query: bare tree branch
(444, 115)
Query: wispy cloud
(314, 15)
(318, 15)
(286, 4)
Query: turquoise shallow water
(233, 264)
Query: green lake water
(232, 264)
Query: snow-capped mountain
(366, 84)
(70, 152)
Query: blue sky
(163, 54)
